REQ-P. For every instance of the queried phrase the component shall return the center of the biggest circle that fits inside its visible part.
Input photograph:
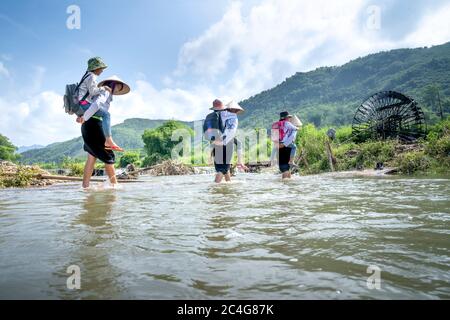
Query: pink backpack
(278, 130)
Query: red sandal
(114, 148)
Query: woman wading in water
(222, 138)
(92, 130)
(285, 145)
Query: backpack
(278, 131)
(212, 126)
(71, 101)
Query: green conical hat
(96, 63)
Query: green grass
(432, 154)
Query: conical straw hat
(118, 90)
(234, 106)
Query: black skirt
(284, 157)
(94, 141)
(223, 155)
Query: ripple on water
(185, 237)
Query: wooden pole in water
(66, 178)
(330, 154)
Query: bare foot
(114, 148)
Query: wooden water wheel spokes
(389, 114)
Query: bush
(22, 178)
(7, 149)
(158, 143)
(154, 159)
(76, 169)
(372, 152)
(311, 141)
(130, 157)
(346, 156)
(412, 162)
(439, 130)
(343, 134)
(438, 147)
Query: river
(182, 237)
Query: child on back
(95, 99)
(284, 132)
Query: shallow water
(183, 237)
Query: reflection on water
(257, 237)
(97, 209)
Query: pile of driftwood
(168, 168)
(20, 176)
(12, 175)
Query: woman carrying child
(283, 135)
(95, 99)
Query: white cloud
(209, 54)
(434, 29)
(40, 118)
(243, 54)
(274, 40)
(37, 119)
(144, 101)
(4, 72)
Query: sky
(178, 56)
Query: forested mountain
(330, 95)
(128, 135)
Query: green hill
(127, 134)
(330, 95)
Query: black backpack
(71, 102)
(212, 126)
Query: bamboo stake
(330, 155)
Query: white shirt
(89, 85)
(103, 101)
(290, 133)
(230, 123)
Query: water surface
(256, 238)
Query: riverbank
(429, 155)
(20, 176)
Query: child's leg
(293, 152)
(106, 123)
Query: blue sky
(178, 55)
(142, 37)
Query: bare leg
(228, 177)
(88, 169)
(111, 172)
(219, 177)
